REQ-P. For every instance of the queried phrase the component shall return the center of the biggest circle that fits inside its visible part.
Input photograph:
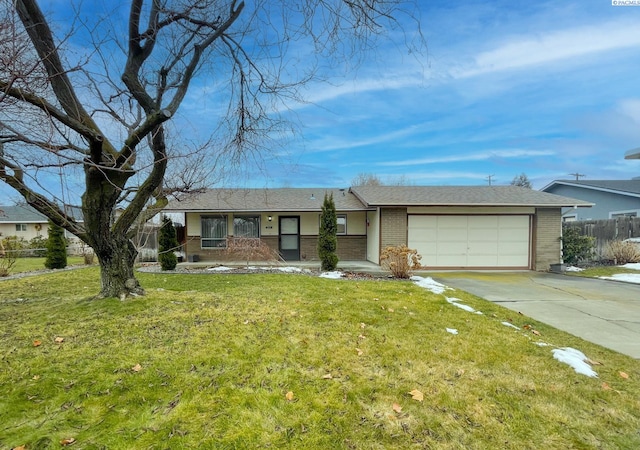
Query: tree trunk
(117, 260)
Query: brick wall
(350, 248)
(393, 227)
(548, 224)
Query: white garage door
(471, 241)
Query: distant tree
(370, 179)
(366, 179)
(167, 245)
(56, 248)
(328, 236)
(521, 180)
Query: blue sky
(542, 88)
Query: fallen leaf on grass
(362, 325)
(606, 387)
(592, 362)
(536, 332)
(624, 375)
(20, 447)
(397, 408)
(58, 340)
(67, 441)
(36, 377)
(37, 343)
(289, 396)
(327, 376)
(137, 368)
(417, 395)
(360, 352)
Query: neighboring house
(25, 222)
(611, 198)
(480, 227)
(22, 221)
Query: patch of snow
(627, 277)
(542, 344)
(455, 301)
(289, 269)
(509, 324)
(633, 266)
(573, 269)
(452, 330)
(574, 358)
(429, 284)
(219, 269)
(334, 275)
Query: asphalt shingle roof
(281, 199)
(20, 214)
(621, 186)
(367, 197)
(460, 196)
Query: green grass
(217, 355)
(32, 264)
(601, 271)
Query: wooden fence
(606, 230)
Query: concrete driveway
(604, 312)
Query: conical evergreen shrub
(56, 248)
(328, 236)
(167, 245)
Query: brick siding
(393, 227)
(350, 248)
(547, 243)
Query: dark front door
(289, 238)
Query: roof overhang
(634, 153)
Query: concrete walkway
(603, 312)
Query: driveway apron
(600, 311)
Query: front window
(213, 231)
(21, 227)
(246, 226)
(342, 224)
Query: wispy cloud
(480, 156)
(332, 143)
(544, 48)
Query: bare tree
(370, 179)
(105, 116)
(521, 180)
(366, 179)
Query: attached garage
(471, 241)
(467, 227)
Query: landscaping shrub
(38, 247)
(250, 249)
(167, 245)
(622, 252)
(575, 246)
(10, 249)
(328, 236)
(56, 248)
(400, 260)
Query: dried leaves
(416, 395)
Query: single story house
(22, 221)
(452, 227)
(25, 222)
(611, 198)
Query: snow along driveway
(600, 311)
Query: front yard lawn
(294, 361)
